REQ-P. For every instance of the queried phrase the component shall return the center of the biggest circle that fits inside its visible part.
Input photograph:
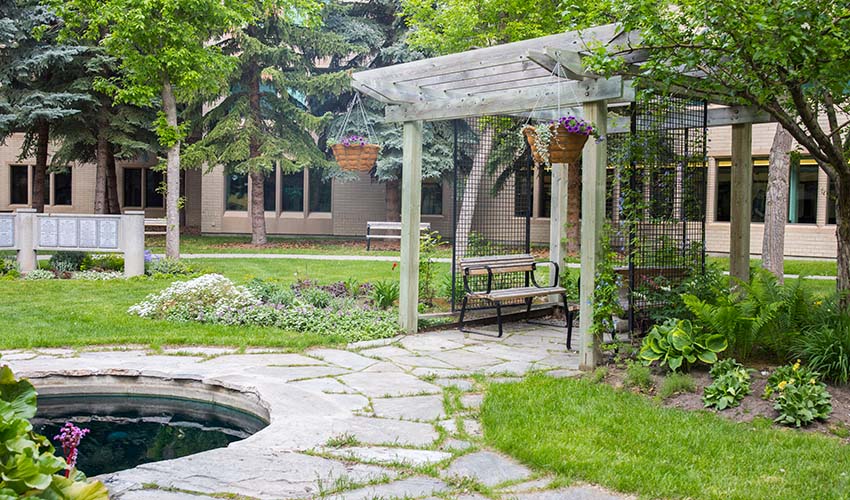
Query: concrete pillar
(133, 242)
(411, 199)
(594, 163)
(25, 239)
(742, 201)
(558, 221)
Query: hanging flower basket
(355, 154)
(558, 142)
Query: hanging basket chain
(358, 102)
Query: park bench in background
(391, 231)
(155, 226)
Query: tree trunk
(842, 233)
(112, 204)
(101, 205)
(258, 208)
(470, 190)
(172, 173)
(573, 232)
(393, 200)
(39, 174)
(776, 208)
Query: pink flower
(70, 436)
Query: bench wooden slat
(476, 266)
(394, 226)
(520, 293)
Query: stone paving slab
(420, 408)
(412, 487)
(400, 384)
(381, 431)
(488, 468)
(345, 359)
(386, 455)
(151, 494)
(571, 493)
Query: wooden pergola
(539, 78)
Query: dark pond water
(126, 431)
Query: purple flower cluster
(70, 436)
(354, 140)
(576, 125)
(149, 257)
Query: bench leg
(568, 314)
(368, 241)
(499, 316)
(463, 311)
(528, 302)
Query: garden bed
(752, 406)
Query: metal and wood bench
(499, 265)
(155, 226)
(393, 227)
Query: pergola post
(558, 220)
(411, 199)
(742, 201)
(594, 164)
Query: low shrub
(637, 376)
(29, 467)
(678, 343)
(826, 348)
(39, 274)
(168, 267)
(9, 267)
(272, 293)
(317, 297)
(730, 383)
(68, 262)
(802, 402)
(104, 262)
(385, 293)
(676, 383)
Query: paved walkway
(387, 419)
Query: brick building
(306, 204)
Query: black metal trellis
(492, 209)
(657, 183)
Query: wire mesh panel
(658, 213)
(492, 198)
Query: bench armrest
(466, 280)
(555, 279)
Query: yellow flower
(782, 385)
(818, 302)
(796, 365)
(812, 381)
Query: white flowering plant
(212, 298)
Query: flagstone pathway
(378, 420)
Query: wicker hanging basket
(564, 147)
(356, 157)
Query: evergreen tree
(40, 82)
(266, 119)
(379, 30)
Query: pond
(130, 430)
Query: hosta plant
(730, 383)
(679, 343)
(788, 374)
(28, 466)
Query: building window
(803, 196)
(320, 192)
(292, 192)
(133, 187)
(831, 196)
(432, 197)
(62, 187)
(523, 193)
(723, 208)
(153, 193)
(19, 185)
(544, 183)
(269, 189)
(236, 191)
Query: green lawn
(590, 432)
(79, 313)
(281, 245)
(806, 267)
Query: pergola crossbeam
(511, 101)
